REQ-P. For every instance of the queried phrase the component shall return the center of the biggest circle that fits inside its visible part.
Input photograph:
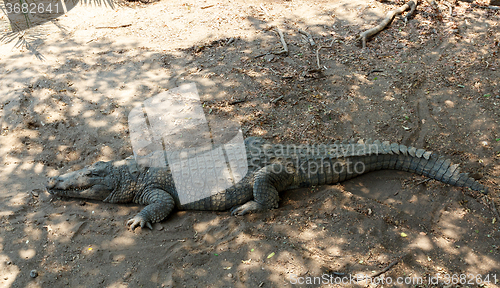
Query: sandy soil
(437, 87)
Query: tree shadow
(26, 15)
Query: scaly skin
(272, 168)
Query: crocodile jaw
(84, 183)
(93, 192)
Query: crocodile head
(93, 182)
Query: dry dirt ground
(433, 82)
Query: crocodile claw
(247, 208)
(139, 220)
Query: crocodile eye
(92, 173)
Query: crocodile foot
(139, 220)
(249, 207)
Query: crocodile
(272, 168)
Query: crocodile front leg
(268, 182)
(159, 204)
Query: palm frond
(22, 24)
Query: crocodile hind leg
(268, 182)
(159, 204)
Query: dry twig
(492, 203)
(317, 53)
(422, 181)
(114, 27)
(450, 7)
(276, 100)
(370, 32)
(282, 39)
(374, 71)
(385, 269)
(234, 102)
(413, 6)
(309, 37)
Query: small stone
(158, 226)
(230, 275)
(33, 274)
(269, 57)
(35, 192)
(8, 262)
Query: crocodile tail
(400, 157)
(355, 157)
